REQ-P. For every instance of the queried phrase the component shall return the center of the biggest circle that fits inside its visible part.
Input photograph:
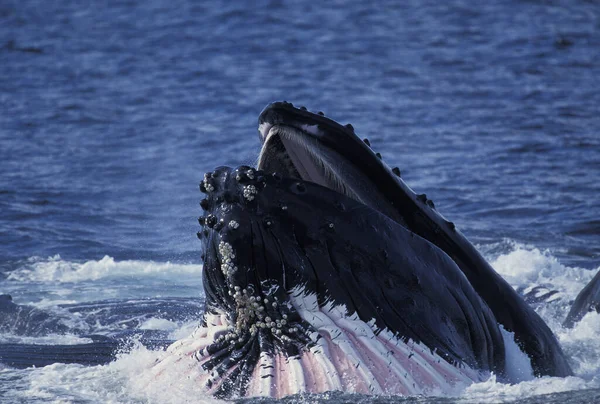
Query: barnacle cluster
(251, 316)
(207, 183)
(249, 192)
(251, 309)
(227, 266)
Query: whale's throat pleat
(347, 355)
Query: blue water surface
(111, 111)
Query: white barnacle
(226, 252)
(233, 224)
(249, 192)
(207, 184)
(250, 174)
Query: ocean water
(111, 111)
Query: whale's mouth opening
(274, 157)
(297, 152)
(289, 152)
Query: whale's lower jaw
(347, 355)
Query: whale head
(324, 271)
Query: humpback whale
(324, 271)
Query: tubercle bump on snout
(231, 201)
(235, 197)
(226, 185)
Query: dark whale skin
(419, 215)
(297, 234)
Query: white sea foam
(582, 346)
(52, 339)
(126, 380)
(492, 391)
(121, 381)
(184, 330)
(55, 269)
(518, 364)
(525, 266)
(158, 324)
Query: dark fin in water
(587, 300)
(539, 295)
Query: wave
(128, 380)
(55, 269)
(50, 339)
(524, 266)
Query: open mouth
(323, 226)
(323, 151)
(274, 156)
(302, 151)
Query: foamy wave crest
(52, 339)
(58, 270)
(493, 391)
(526, 266)
(582, 346)
(121, 381)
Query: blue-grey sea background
(111, 111)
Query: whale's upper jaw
(312, 147)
